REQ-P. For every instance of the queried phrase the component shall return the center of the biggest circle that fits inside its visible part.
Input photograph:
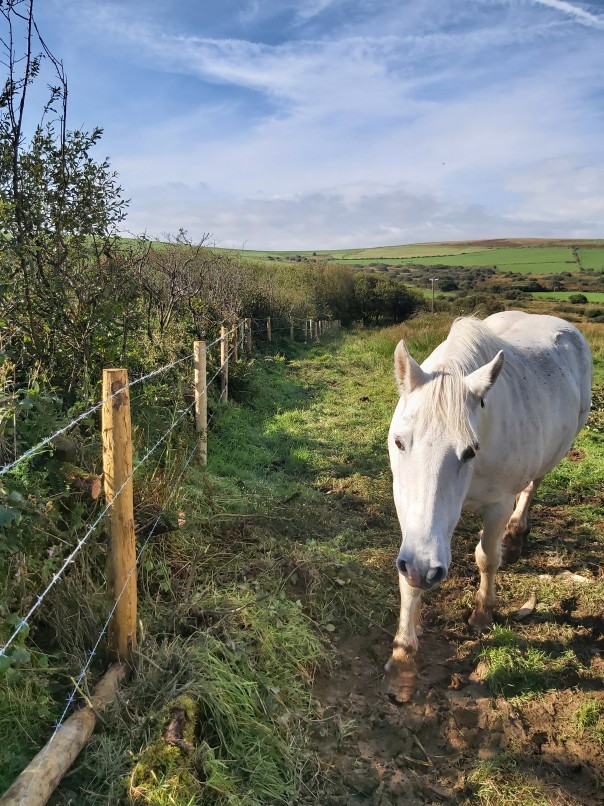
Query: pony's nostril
(436, 575)
(401, 565)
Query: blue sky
(331, 123)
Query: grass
(516, 669)
(526, 256)
(592, 296)
(287, 548)
(589, 720)
(499, 781)
(282, 551)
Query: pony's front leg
(488, 559)
(400, 669)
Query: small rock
(457, 681)
(480, 672)
(570, 577)
(527, 608)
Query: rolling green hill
(523, 256)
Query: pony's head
(433, 444)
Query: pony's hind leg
(488, 559)
(400, 669)
(518, 526)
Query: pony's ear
(407, 371)
(482, 379)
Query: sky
(274, 124)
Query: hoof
(400, 675)
(512, 543)
(480, 621)
(511, 550)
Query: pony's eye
(468, 454)
(399, 444)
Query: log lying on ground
(41, 777)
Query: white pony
(491, 411)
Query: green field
(592, 296)
(525, 256)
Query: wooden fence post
(291, 327)
(224, 363)
(235, 342)
(248, 336)
(269, 330)
(201, 398)
(117, 469)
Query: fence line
(70, 558)
(82, 541)
(103, 632)
(110, 681)
(31, 451)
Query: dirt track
(422, 753)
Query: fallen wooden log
(43, 774)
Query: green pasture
(592, 258)
(547, 257)
(592, 296)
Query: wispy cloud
(480, 114)
(578, 13)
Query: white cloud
(341, 217)
(466, 127)
(574, 11)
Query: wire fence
(61, 431)
(92, 653)
(243, 331)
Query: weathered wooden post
(235, 330)
(311, 329)
(316, 327)
(201, 398)
(291, 327)
(224, 363)
(269, 330)
(117, 469)
(241, 331)
(248, 336)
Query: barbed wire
(92, 652)
(43, 443)
(70, 558)
(24, 622)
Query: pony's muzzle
(425, 581)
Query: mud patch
(429, 751)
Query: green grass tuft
(516, 669)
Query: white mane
(469, 345)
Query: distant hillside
(521, 255)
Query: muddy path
(426, 752)
(515, 717)
(434, 749)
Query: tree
(59, 213)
